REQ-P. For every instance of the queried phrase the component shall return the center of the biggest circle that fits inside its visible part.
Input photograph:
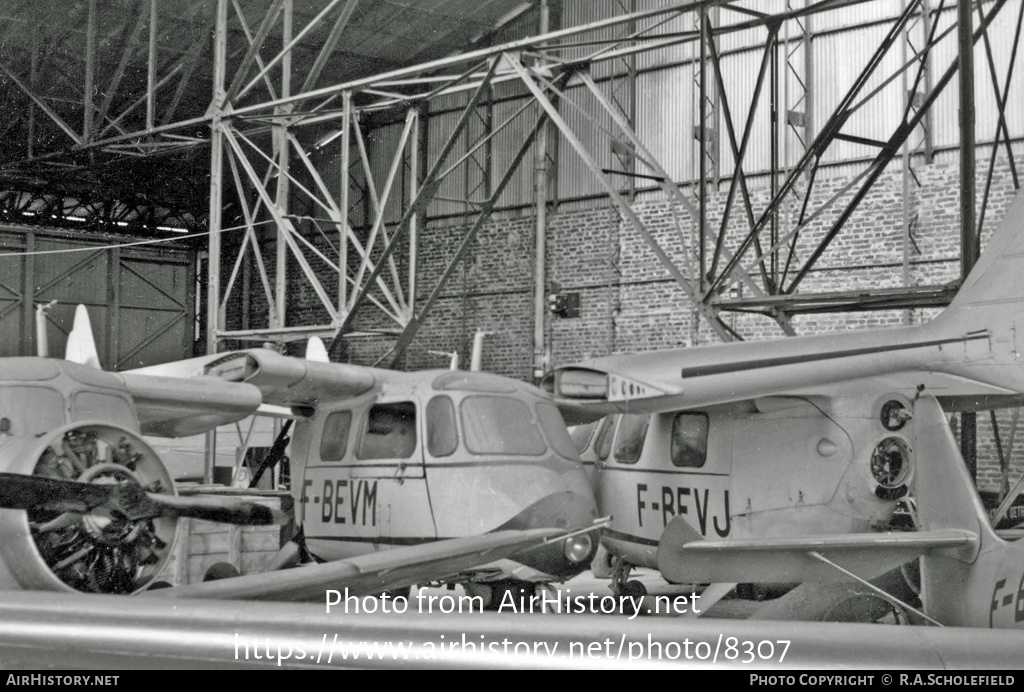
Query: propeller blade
(18, 491)
(223, 510)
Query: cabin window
(603, 444)
(89, 405)
(629, 441)
(690, 440)
(554, 429)
(334, 442)
(389, 432)
(581, 435)
(30, 410)
(499, 425)
(442, 436)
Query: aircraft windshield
(499, 425)
(335, 439)
(554, 429)
(581, 435)
(629, 442)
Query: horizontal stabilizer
(868, 555)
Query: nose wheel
(622, 586)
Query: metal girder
(890, 149)
(255, 43)
(127, 49)
(375, 275)
(285, 52)
(484, 214)
(43, 106)
(218, 102)
(914, 116)
(827, 134)
(686, 283)
(427, 190)
(1002, 96)
(313, 76)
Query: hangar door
(141, 300)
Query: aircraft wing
(182, 406)
(954, 356)
(188, 397)
(371, 573)
(584, 395)
(280, 380)
(681, 559)
(954, 393)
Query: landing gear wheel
(507, 595)
(220, 570)
(620, 576)
(633, 589)
(401, 592)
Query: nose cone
(562, 558)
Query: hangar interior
(575, 178)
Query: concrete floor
(587, 594)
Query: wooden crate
(200, 544)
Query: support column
(346, 163)
(282, 155)
(540, 195)
(970, 245)
(216, 202)
(90, 70)
(151, 75)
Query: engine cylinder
(53, 547)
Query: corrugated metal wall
(666, 103)
(141, 301)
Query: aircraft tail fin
(81, 347)
(993, 289)
(945, 493)
(315, 350)
(947, 500)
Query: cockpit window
(334, 443)
(389, 432)
(554, 429)
(690, 440)
(499, 425)
(442, 436)
(581, 435)
(629, 441)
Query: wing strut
(274, 454)
(880, 592)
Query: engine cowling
(49, 548)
